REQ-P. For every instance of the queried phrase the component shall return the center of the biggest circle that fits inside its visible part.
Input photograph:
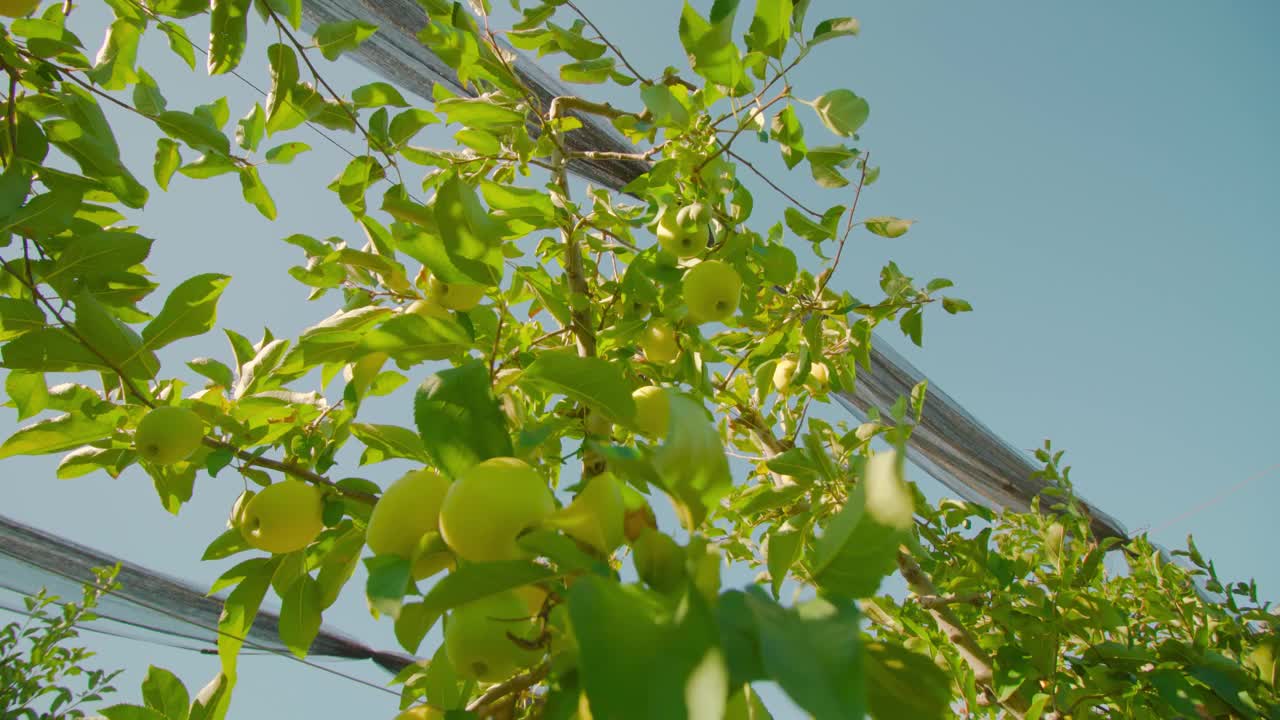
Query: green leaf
(789, 133)
(336, 38)
(338, 565)
(113, 69)
(588, 72)
(27, 391)
(842, 111)
(411, 339)
(290, 9)
(238, 612)
(300, 615)
(179, 43)
(956, 305)
(783, 550)
(890, 227)
(859, 545)
(907, 685)
(691, 462)
(770, 27)
(114, 341)
(412, 625)
(389, 580)
(18, 317)
(389, 441)
(163, 692)
(130, 712)
(167, 161)
(801, 225)
(284, 78)
(285, 153)
(665, 105)
(50, 350)
(250, 129)
(476, 580)
(146, 95)
(228, 32)
(225, 545)
(198, 132)
(709, 44)
(459, 419)
(214, 370)
(468, 229)
(813, 652)
(832, 28)
(255, 193)
(57, 434)
(595, 382)
(665, 652)
(377, 94)
(405, 125)
(190, 309)
(212, 701)
(826, 161)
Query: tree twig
(494, 696)
(605, 40)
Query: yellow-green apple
(407, 511)
(596, 515)
(819, 377)
(283, 517)
(712, 290)
(489, 505)
(658, 340)
(478, 637)
(782, 374)
(168, 434)
(653, 410)
(456, 296)
(18, 8)
(683, 233)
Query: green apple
(598, 424)
(658, 340)
(534, 597)
(283, 517)
(596, 515)
(683, 233)
(819, 377)
(478, 637)
(653, 410)
(168, 434)
(456, 296)
(18, 8)
(659, 560)
(428, 309)
(407, 511)
(712, 290)
(490, 505)
(782, 374)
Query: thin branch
(724, 146)
(492, 698)
(853, 208)
(771, 183)
(561, 103)
(289, 469)
(497, 341)
(610, 45)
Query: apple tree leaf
(476, 580)
(905, 684)
(589, 380)
(300, 614)
(842, 111)
(238, 612)
(190, 309)
(163, 692)
(459, 420)
(691, 461)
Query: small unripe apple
(658, 340)
(653, 410)
(18, 8)
(596, 515)
(659, 560)
(712, 290)
(682, 239)
(819, 377)
(408, 510)
(283, 517)
(490, 505)
(598, 424)
(456, 296)
(534, 597)
(782, 374)
(428, 309)
(168, 434)
(477, 637)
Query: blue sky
(1099, 179)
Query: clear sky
(1099, 179)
